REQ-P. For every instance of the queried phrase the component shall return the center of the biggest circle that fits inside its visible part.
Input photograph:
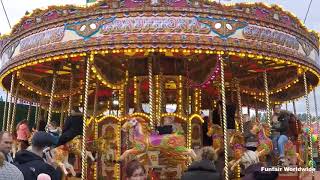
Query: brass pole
(52, 96)
(266, 88)
(224, 115)
(308, 117)
(70, 91)
(239, 104)
(294, 107)
(13, 118)
(10, 103)
(62, 114)
(95, 124)
(5, 112)
(151, 95)
(29, 111)
(85, 114)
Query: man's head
(41, 140)
(5, 142)
(207, 153)
(276, 109)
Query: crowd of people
(32, 157)
(34, 161)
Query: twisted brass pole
(70, 92)
(10, 103)
(160, 98)
(53, 87)
(95, 125)
(13, 118)
(29, 112)
(308, 117)
(151, 97)
(36, 115)
(85, 114)
(266, 88)
(239, 104)
(224, 115)
(157, 89)
(61, 114)
(5, 112)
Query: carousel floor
(303, 176)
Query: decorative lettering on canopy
(156, 24)
(42, 38)
(271, 36)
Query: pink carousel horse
(143, 141)
(265, 145)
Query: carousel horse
(236, 143)
(75, 146)
(60, 157)
(265, 145)
(61, 154)
(216, 132)
(145, 141)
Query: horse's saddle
(167, 129)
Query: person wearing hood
(204, 168)
(31, 163)
(72, 127)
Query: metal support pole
(52, 96)
(85, 114)
(224, 115)
(10, 103)
(13, 118)
(151, 95)
(308, 118)
(5, 112)
(29, 111)
(266, 88)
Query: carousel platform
(299, 176)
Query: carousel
(134, 66)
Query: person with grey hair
(8, 171)
(204, 167)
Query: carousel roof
(184, 38)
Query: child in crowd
(54, 130)
(23, 134)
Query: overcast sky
(17, 8)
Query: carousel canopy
(183, 38)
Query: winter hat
(42, 139)
(43, 176)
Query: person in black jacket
(72, 127)
(283, 130)
(217, 117)
(31, 163)
(203, 169)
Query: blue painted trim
(93, 33)
(221, 19)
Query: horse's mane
(144, 124)
(236, 138)
(215, 129)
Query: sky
(17, 8)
